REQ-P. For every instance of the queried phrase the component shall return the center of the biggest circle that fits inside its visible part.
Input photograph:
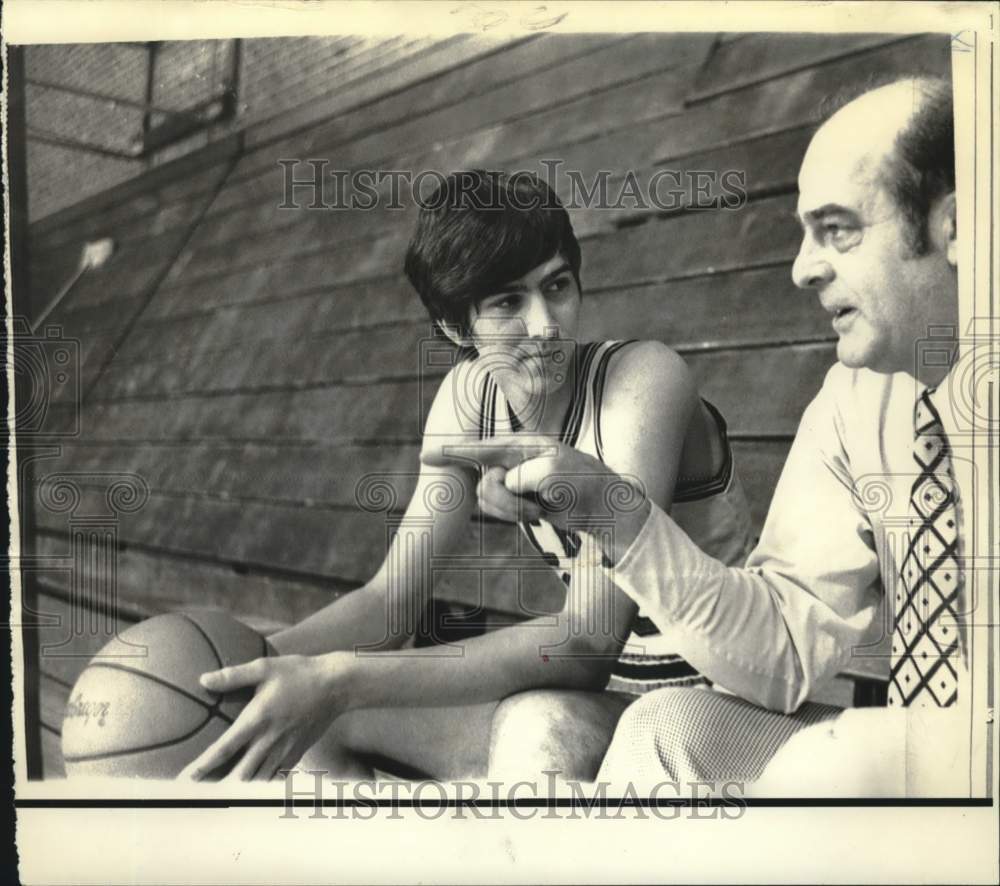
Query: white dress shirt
(810, 596)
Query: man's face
(525, 331)
(855, 248)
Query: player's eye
(560, 284)
(840, 235)
(509, 302)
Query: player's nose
(810, 270)
(539, 319)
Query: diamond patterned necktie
(925, 654)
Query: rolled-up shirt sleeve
(810, 591)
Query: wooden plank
(571, 94)
(368, 53)
(166, 582)
(700, 243)
(483, 73)
(296, 318)
(760, 57)
(794, 99)
(279, 537)
(779, 106)
(767, 165)
(396, 410)
(341, 547)
(155, 581)
(754, 306)
(142, 220)
(320, 227)
(354, 357)
(747, 307)
(322, 475)
(764, 232)
(47, 277)
(340, 266)
(195, 171)
(95, 319)
(392, 410)
(313, 476)
(260, 233)
(59, 420)
(654, 72)
(762, 392)
(760, 166)
(282, 240)
(346, 545)
(641, 144)
(91, 352)
(758, 464)
(396, 53)
(193, 354)
(443, 56)
(466, 70)
(130, 271)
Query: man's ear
(946, 224)
(455, 334)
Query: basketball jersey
(713, 512)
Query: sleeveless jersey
(713, 512)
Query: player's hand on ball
(293, 704)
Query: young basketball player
(495, 261)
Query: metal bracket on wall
(179, 124)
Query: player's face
(525, 332)
(856, 255)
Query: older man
(869, 508)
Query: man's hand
(294, 702)
(530, 477)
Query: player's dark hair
(922, 167)
(479, 230)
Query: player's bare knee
(525, 718)
(562, 732)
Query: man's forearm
(627, 527)
(758, 632)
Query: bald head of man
(877, 207)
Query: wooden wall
(253, 364)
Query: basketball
(138, 709)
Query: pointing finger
(503, 452)
(497, 501)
